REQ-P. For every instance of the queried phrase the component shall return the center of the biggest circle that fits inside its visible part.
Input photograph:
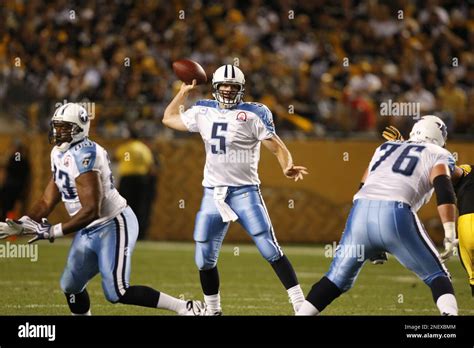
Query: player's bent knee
(68, 285)
(204, 263)
(110, 292)
(267, 247)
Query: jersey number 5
(220, 149)
(405, 163)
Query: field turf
(248, 283)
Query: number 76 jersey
(400, 171)
(80, 158)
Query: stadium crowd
(323, 67)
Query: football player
(232, 131)
(463, 180)
(400, 179)
(106, 227)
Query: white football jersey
(232, 140)
(400, 171)
(83, 157)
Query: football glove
(391, 133)
(14, 227)
(450, 245)
(45, 230)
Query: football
(188, 70)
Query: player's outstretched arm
(279, 149)
(89, 191)
(27, 223)
(172, 117)
(446, 198)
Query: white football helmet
(430, 129)
(228, 74)
(70, 124)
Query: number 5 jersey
(232, 140)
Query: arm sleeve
(189, 118)
(264, 127)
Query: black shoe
(379, 259)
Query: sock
(285, 272)
(213, 302)
(296, 296)
(307, 308)
(447, 304)
(209, 281)
(79, 304)
(171, 303)
(140, 296)
(88, 313)
(323, 293)
(443, 295)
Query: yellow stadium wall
(313, 210)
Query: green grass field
(248, 283)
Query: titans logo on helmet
(83, 117)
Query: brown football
(187, 70)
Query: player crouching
(106, 226)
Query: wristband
(449, 230)
(57, 230)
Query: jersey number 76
(405, 163)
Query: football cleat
(379, 259)
(194, 308)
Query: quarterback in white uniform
(106, 227)
(232, 131)
(400, 179)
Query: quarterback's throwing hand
(296, 172)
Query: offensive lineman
(400, 179)
(106, 226)
(232, 131)
(463, 181)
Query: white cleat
(194, 308)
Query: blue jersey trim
(208, 103)
(451, 164)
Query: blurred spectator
(14, 191)
(453, 101)
(120, 53)
(418, 94)
(137, 171)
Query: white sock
(213, 302)
(88, 313)
(447, 304)
(307, 308)
(171, 303)
(296, 296)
